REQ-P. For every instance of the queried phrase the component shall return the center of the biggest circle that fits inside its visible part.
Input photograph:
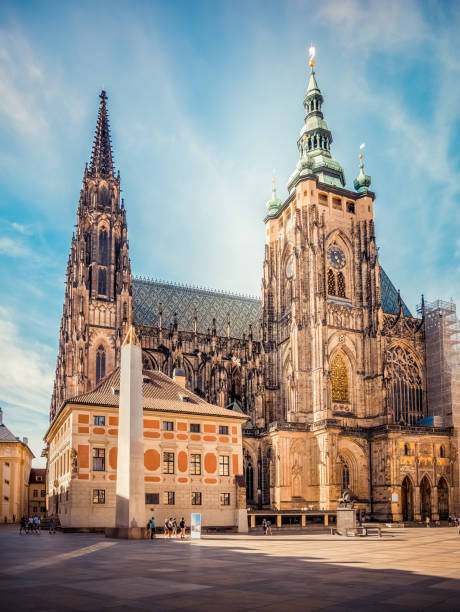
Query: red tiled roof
(159, 392)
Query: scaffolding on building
(442, 341)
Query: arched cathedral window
(103, 247)
(339, 379)
(345, 476)
(330, 282)
(100, 363)
(102, 282)
(405, 387)
(341, 285)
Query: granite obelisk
(130, 490)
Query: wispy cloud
(13, 248)
(26, 374)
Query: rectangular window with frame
(196, 498)
(224, 465)
(35, 509)
(35, 493)
(7, 482)
(194, 427)
(99, 420)
(169, 498)
(43, 493)
(98, 459)
(42, 508)
(168, 463)
(225, 499)
(223, 430)
(152, 498)
(98, 496)
(168, 425)
(195, 465)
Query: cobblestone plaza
(407, 569)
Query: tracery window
(339, 379)
(102, 282)
(103, 247)
(330, 282)
(341, 285)
(345, 475)
(249, 476)
(405, 387)
(100, 363)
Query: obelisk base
(125, 533)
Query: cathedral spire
(101, 158)
(315, 139)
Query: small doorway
(407, 500)
(425, 498)
(443, 499)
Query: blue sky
(205, 100)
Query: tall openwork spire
(101, 158)
(315, 139)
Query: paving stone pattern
(408, 569)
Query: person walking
(269, 528)
(23, 524)
(174, 527)
(170, 527)
(152, 528)
(182, 528)
(37, 524)
(166, 529)
(30, 525)
(264, 526)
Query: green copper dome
(315, 141)
(275, 203)
(363, 181)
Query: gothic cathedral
(329, 367)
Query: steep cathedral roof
(184, 303)
(237, 311)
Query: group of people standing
(171, 528)
(33, 523)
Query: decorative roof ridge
(230, 294)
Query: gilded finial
(312, 53)
(363, 181)
(131, 337)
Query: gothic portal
(329, 366)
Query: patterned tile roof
(188, 301)
(207, 304)
(159, 393)
(390, 296)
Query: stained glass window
(330, 282)
(405, 389)
(339, 379)
(341, 285)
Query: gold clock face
(290, 267)
(337, 257)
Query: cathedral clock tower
(97, 304)
(321, 286)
